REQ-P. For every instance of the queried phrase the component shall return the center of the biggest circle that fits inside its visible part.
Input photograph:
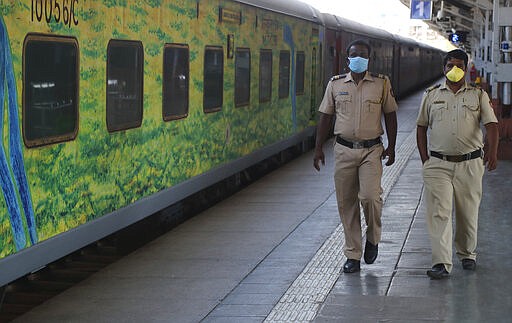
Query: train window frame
(265, 75)
(138, 81)
(284, 78)
(300, 78)
(168, 96)
(245, 99)
(27, 77)
(220, 94)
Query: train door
(329, 56)
(345, 38)
(313, 83)
(339, 55)
(389, 60)
(395, 77)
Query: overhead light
(441, 14)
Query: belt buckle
(467, 156)
(358, 145)
(445, 158)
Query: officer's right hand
(319, 156)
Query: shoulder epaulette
(433, 87)
(381, 76)
(337, 77)
(476, 87)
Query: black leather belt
(358, 144)
(457, 159)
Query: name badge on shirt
(342, 93)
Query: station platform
(273, 253)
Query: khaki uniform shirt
(358, 108)
(454, 118)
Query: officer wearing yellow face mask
(453, 164)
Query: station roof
(458, 16)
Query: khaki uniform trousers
(357, 178)
(447, 184)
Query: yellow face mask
(455, 74)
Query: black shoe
(437, 272)
(370, 252)
(351, 266)
(468, 264)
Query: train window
(176, 82)
(242, 76)
(265, 75)
(124, 84)
(213, 79)
(299, 72)
(50, 89)
(284, 74)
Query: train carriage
(125, 107)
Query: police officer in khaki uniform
(358, 100)
(453, 173)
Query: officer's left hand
(491, 161)
(390, 153)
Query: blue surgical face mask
(358, 64)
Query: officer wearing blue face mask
(359, 100)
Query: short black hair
(457, 54)
(359, 42)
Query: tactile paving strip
(303, 299)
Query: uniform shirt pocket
(372, 112)
(471, 110)
(373, 105)
(438, 111)
(342, 102)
